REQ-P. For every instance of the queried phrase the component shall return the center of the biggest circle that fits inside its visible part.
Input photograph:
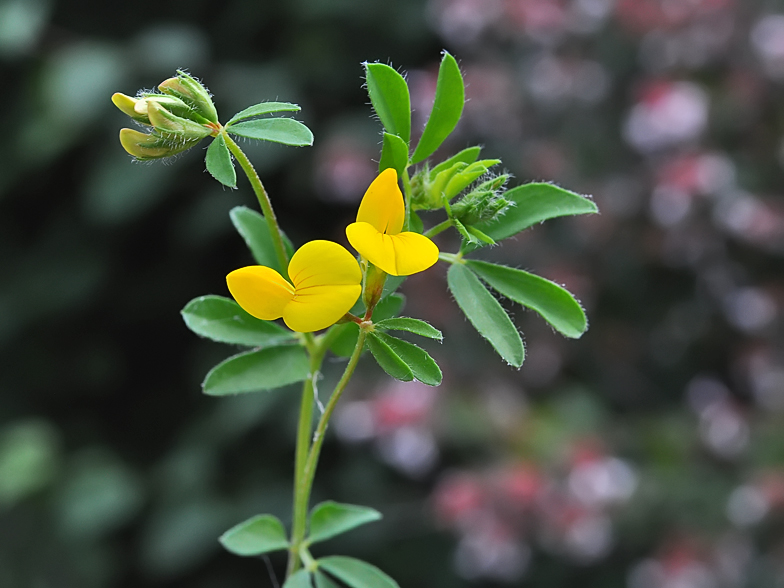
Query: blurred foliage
(647, 454)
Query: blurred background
(648, 454)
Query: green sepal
(418, 361)
(554, 303)
(467, 156)
(277, 130)
(255, 231)
(257, 535)
(411, 325)
(389, 95)
(167, 123)
(394, 154)
(447, 109)
(263, 108)
(356, 573)
(329, 519)
(299, 579)
(254, 371)
(486, 314)
(219, 164)
(221, 319)
(145, 147)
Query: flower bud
(145, 146)
(167, 123)
(192, 93)
(128, 106)
(483, 203)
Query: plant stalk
(263, 198)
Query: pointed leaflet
(278, 130)
(300, 579)
(343, 343)
(261, 109)
(253, 371)
(394, 154)
(218, 161)
(389, 361)
(388, 93)
(331, 518)
(222, 319)
(254, 229)
(555, 304)
(486, 314)
(356, 573)
(534, 203)
(447, 108)
(257, 535)
(324, 581)
(422, 366)
(411, 325)
(467, 156)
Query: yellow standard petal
(398, 255)
(260, 291)
(383, 205)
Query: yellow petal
(323, 263)
(373, 245)
(413, 252)
(398, 255)
(319, 307)
(383, 205)
(260, 291)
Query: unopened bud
(193, 93)
(170, 124)
(145, 146)
(128, 106)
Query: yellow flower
(376, 234)
(326, 283)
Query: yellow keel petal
(260, 291)
(319, 307)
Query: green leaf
(415, 223)
(389, 361)
(556, 305)
(257, 535)
(422, 366)
(411, 325)
(299, 579)
(486, 314)
(394, 154)
(218, 161)
(331, 518)
(356, 573)
(222, 319)
(534, 203)
(388, 93)
(447, 108)
(278, 130)
(261, 109)
(344, 342)
(254, 229)
(264, 369)
(467, 156)
(461, 180)
(324, 581)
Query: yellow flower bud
(145, 146)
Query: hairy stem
(263, 198)
(440, 227)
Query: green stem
(433, 231)
(305, 485)
(263, 198)
(304, 428)
(407, 193)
